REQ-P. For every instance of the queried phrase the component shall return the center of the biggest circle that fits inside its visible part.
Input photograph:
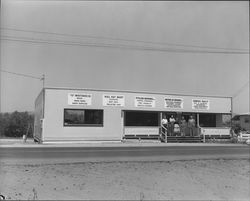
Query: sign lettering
(79, 99)
(174, 103)
(142, 101)
(113, 100)
(200, 104)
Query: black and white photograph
(124, 100)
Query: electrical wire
(121, 39)
(110, 45)
(241, 89)
(21, 74)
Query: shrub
(16, 124)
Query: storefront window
(207, 120)
(139, 118)
(82, 117)
(226, 120)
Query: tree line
(16, 124)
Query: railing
(164, 134)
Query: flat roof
(128, 91)
(243, 114)
(237, 116)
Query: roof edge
(130, 91)
(242, 114)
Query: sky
(223, 24)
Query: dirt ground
(176, 180)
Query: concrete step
(144, 137)
(181, 139)
(170, 139)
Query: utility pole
(0, 60)
(43, 79)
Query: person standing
(176, 127)
(171, 122)
(183, 126)
(191, 125)
(164, 124)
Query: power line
(32, 40)
(109, 45)
(241, 89)
(122, 39)
(24, 75)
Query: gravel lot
(176, 180)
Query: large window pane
(81, 117)
(139, 118)
(226, 120)
(207, 120)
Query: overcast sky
(216, 24)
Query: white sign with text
(79, 99)
(173, 103)
(215, 131)
(200, 104)
(113, 100)
(144, 101)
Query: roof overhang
(237, 116)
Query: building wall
(56, 100)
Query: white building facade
(79, 115)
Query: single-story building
(80, 115)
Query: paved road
(49, 155)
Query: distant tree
(16, 124)
(4, 122)
(2, 126)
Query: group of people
(174, 126)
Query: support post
(204, 138)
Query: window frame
(83, 125)
(211, 119)
(141, 111)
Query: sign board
(173, 103)
(79, 99)
(141, 131)
(142, 101)
(200, 104)
(215, 131)
(113, 100)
